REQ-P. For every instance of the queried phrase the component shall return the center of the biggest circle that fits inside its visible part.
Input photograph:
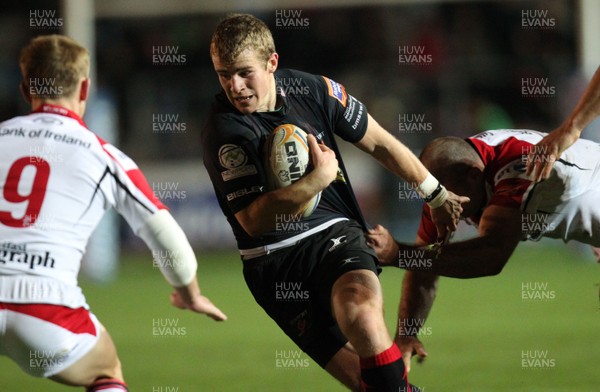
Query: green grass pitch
(482, 335)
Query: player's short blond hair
(238, 32)
(57, 59)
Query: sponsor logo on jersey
(337, 91)
(337, 242)
(349, 260)
(354, 111)
(243, 192)
(44, 134)
(12, 253)
(234, 158)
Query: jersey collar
(55, 109)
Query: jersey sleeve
(502, 153)
(427, 230)
(126, 189)
(234, 165)
(348, 114)
(511, 192)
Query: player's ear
(84, 91)
(25, 92)
(474, 175)
(273, 62)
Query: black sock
(385, 372)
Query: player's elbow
(494, 269)
(494, 266)
(253, 229)
(252, 225)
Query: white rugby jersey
(565, 206)
(57, 179)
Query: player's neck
(276, 102)
(76, 107)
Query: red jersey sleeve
(427, 231)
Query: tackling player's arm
(259, 216)
(486, 255)
(542, 157)
(500, 231)
(419, 289)
(400, 160)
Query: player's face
(249, 81)
(473, 186)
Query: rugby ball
(288, 157)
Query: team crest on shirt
(337, 91)
(48, 120)
(514, 169)
(234, 159)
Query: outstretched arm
(500, 230)
(189, 297)
(543, 155)
(399, 159)
(418, 293)
(177, 262)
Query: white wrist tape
(171, 251)
(429, 184)
(439, 199)
(434, 193)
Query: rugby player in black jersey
(319, 279)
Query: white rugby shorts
(46, 339)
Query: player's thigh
(45, 339)
(345, 367)
(101, 361)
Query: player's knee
(114, 370)
(358, 312)
(357, 287)
(367, 319)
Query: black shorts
(293, 285)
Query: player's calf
(358, 308)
